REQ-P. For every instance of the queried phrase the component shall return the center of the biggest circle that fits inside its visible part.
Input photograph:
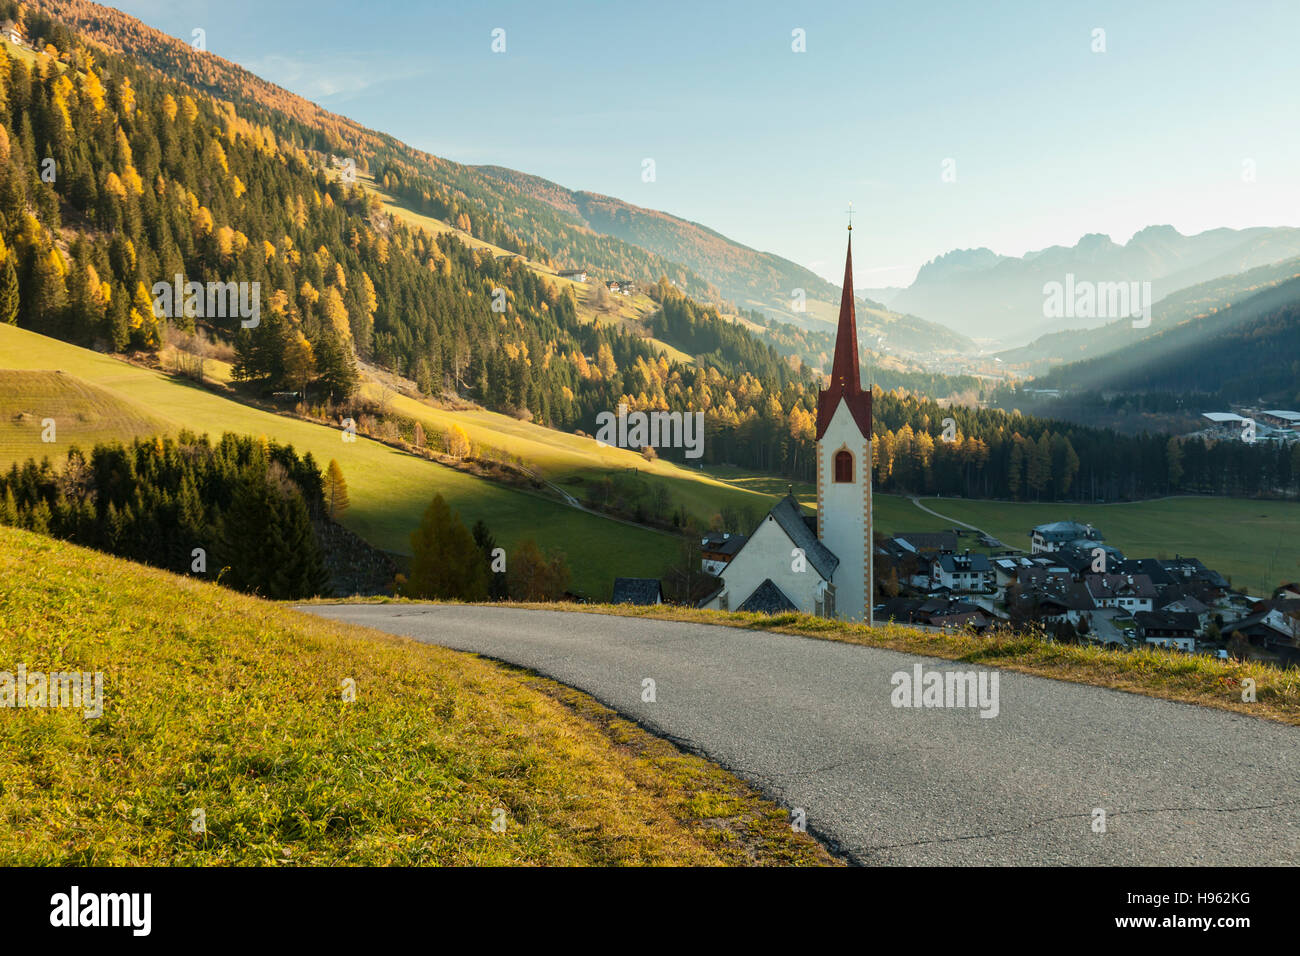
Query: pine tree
(487, 544)
(9, 298)
(266, 543)
(336, 491)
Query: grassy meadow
(224, 703)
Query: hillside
(389, 489)
(218, 703)
(91, 413)
(1194, 302)
(521, 213)
(1246, 352)
(1003, 297)
(253, 197)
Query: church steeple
(845, 379)
(844, 370)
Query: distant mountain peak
(1164, 233)
(958, 262)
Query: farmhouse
(963, 572)
(1167, 629)
(13, 33)
(818, 566)
(1049, 537)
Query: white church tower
(844, 468)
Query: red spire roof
(845, 381)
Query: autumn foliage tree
(446, 562)
(336, 491)
(534, 576)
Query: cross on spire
(850, 212)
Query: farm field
(389, 489)
(1255, 543)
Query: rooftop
(789, 516)
(637, 591)
(767, 599)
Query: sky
(946, 125)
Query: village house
(1006, 570)
(13, 33)
(1050, 537)
(717, 550)
(1128, 592)
(1186, 604)
(1097, 558)
(1169, 629)
(1287, 592)
(1271, 634)
(642, 591)
(962, 572)
(939, 611)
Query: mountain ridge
(1003, 296)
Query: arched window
(843, 467)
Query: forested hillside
(1247, 352)
(1185, 305)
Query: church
(822, 565)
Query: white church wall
(767, 555)
(844, 513)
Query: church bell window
(843, 467)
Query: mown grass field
(389, 489)
(224, 703)
(573, 461)
(1255, 543)
(95, 414)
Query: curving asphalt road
(812, 725)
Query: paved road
(811, 723)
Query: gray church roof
(637, 591)
(767, 599)
(789, 516)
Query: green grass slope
(224, 703)
(80, 411)
(389, 489)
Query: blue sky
(1050, 140)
